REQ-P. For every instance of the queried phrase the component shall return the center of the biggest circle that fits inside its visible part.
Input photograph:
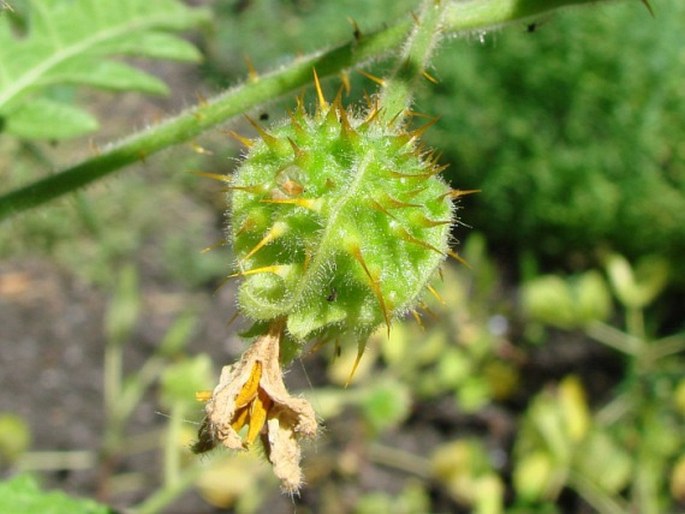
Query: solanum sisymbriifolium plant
(338, 217)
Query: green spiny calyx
(339, 221)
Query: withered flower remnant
(251, 394)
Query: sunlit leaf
(72, 42)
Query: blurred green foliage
(245, 31)
(15, 438)
(574, 132)
(22, 494)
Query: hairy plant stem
(467, 16)
(398, 89)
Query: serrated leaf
(72, 41)
(112, 75)
(157, 45)
(46, 119)
(22, 494)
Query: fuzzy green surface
(356, 220)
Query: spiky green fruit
(338, 222)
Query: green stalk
(172, 456)
(112, 374)
(398, 89)
(613, 338)
(167, 494)
(459, 17)
(595, 496)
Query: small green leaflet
(21, 494)
(72, 42)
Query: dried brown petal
(252, 393)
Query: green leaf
(386, 404)
(157, 45)
(124, 309)
(47, 119)
(72, 41)
(22, 494)
(15, 437)
(180, 381)
(108, 75)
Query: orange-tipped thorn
(272, 142)
(402, 233)
(276, 269)
(245, 141)
(213, 176)
(301, 156)
(428, 174)
(374, 283)
(377, 206)
(356, 32)
(274, 232)
(429, 77)
(435, 294)
(252, 75)
(201, 99)
(415, 192)
(374, 78)
(374, 109)
(200, 149)
(323, 104)
(394, 203)
(345, 127)
(248, 224)
(296, 149)
(313, 204)
(458, 193)
(425, 221)
(345, 80)
(458, 258)
(417, 318)
(214, 246)
(232, 319)
(649, 7)
(247, 189)
(428, 310)
(94, 147)
(416, 114)
(398, 115)
(417, 133)
(295, 118)
(361, 346)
